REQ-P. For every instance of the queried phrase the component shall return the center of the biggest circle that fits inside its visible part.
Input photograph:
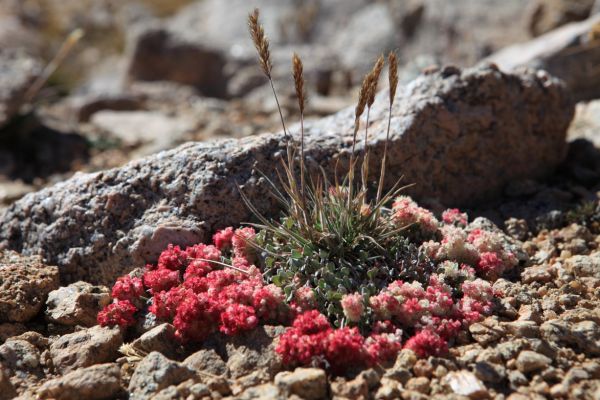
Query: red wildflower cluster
(120, 313)
(128, 288)
(427, 343)
(312, 340)
(191, 289)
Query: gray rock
(255, 350)
(76, 304)
(207, 360)
(97, 382)
(308, 383)
(84, 348)
(154, 373)
(20, 356)
(17, 72)
(460, 137)
(24, 285)
(564, 52)
(160, 338)
(529, 361)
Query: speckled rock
(460, 136)
(154, 373)
(97, 382)
(86, 347)
(76, 304)
(24, 285)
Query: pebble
(529, 361)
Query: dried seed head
(362, 96)
(374, 80)
(260, 42)
(297, 71)
(393, 75)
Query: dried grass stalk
(298, 74)
(393, 83)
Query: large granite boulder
(459, 136)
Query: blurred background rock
(151, 74)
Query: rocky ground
(543, 341)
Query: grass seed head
(374, 80)
(260, 42)
(297, 69)
(393, 75)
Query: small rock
(252, 351)
(92, 383)
(584, 336)
(353, 389)
(207, 360)
(406, 359)
(389, 390)
(24, 285)
(523, 329)
(87, 347)
(529, 361)
(76, 304)
(516, 379)
(485, 333)
(20, 356)
(308, 383)
(488, 372)
(419, 384)
(584, 266)
(538, 273)
(464, 383)
(160, 338)
(154, 373)
(268, 391)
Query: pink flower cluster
(190, 288)
(405, 212)
(312, 340)
(432, 312)
(453, 216)
(482, 249)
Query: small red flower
(128, 288)
(427, 343)
(120, 313)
